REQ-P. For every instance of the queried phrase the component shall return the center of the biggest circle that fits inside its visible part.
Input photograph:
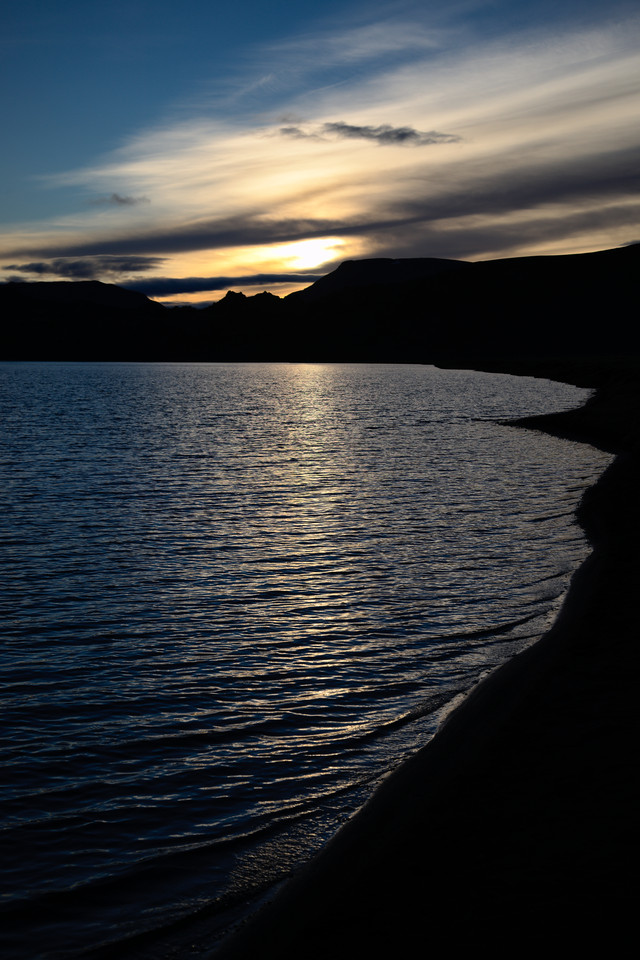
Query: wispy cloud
(536, 148)
(608, 182)
(381, 39)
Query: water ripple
(233, 597)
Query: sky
(188, 149)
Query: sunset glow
(393, 131)
(308, 254)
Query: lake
(234, 597)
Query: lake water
(234, 596)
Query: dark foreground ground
(516, 827)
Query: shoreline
(518, 818)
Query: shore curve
(516, 824)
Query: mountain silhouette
(520, 312)
(360, 274)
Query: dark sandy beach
(516, 827)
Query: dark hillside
(75, 320)
(526, 310)
(581, 306)
(361, 274)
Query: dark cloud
(297, 133)
(601, 190)
(604, 178)
(118, 201)
(479, 241)
(384, 134)
(203, 235)
(164, 286)
(88, 268)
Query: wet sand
(516, 826)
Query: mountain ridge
(375, 309)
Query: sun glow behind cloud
(424, 144)
(304, 254)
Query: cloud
(201, 235)
(383, 134)
(386, 134)
(537, 187)
(117, 200)
(297, 133)
(537, 138)
(488, 237)
(381, 40)
(88, 268)
(165, 286)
